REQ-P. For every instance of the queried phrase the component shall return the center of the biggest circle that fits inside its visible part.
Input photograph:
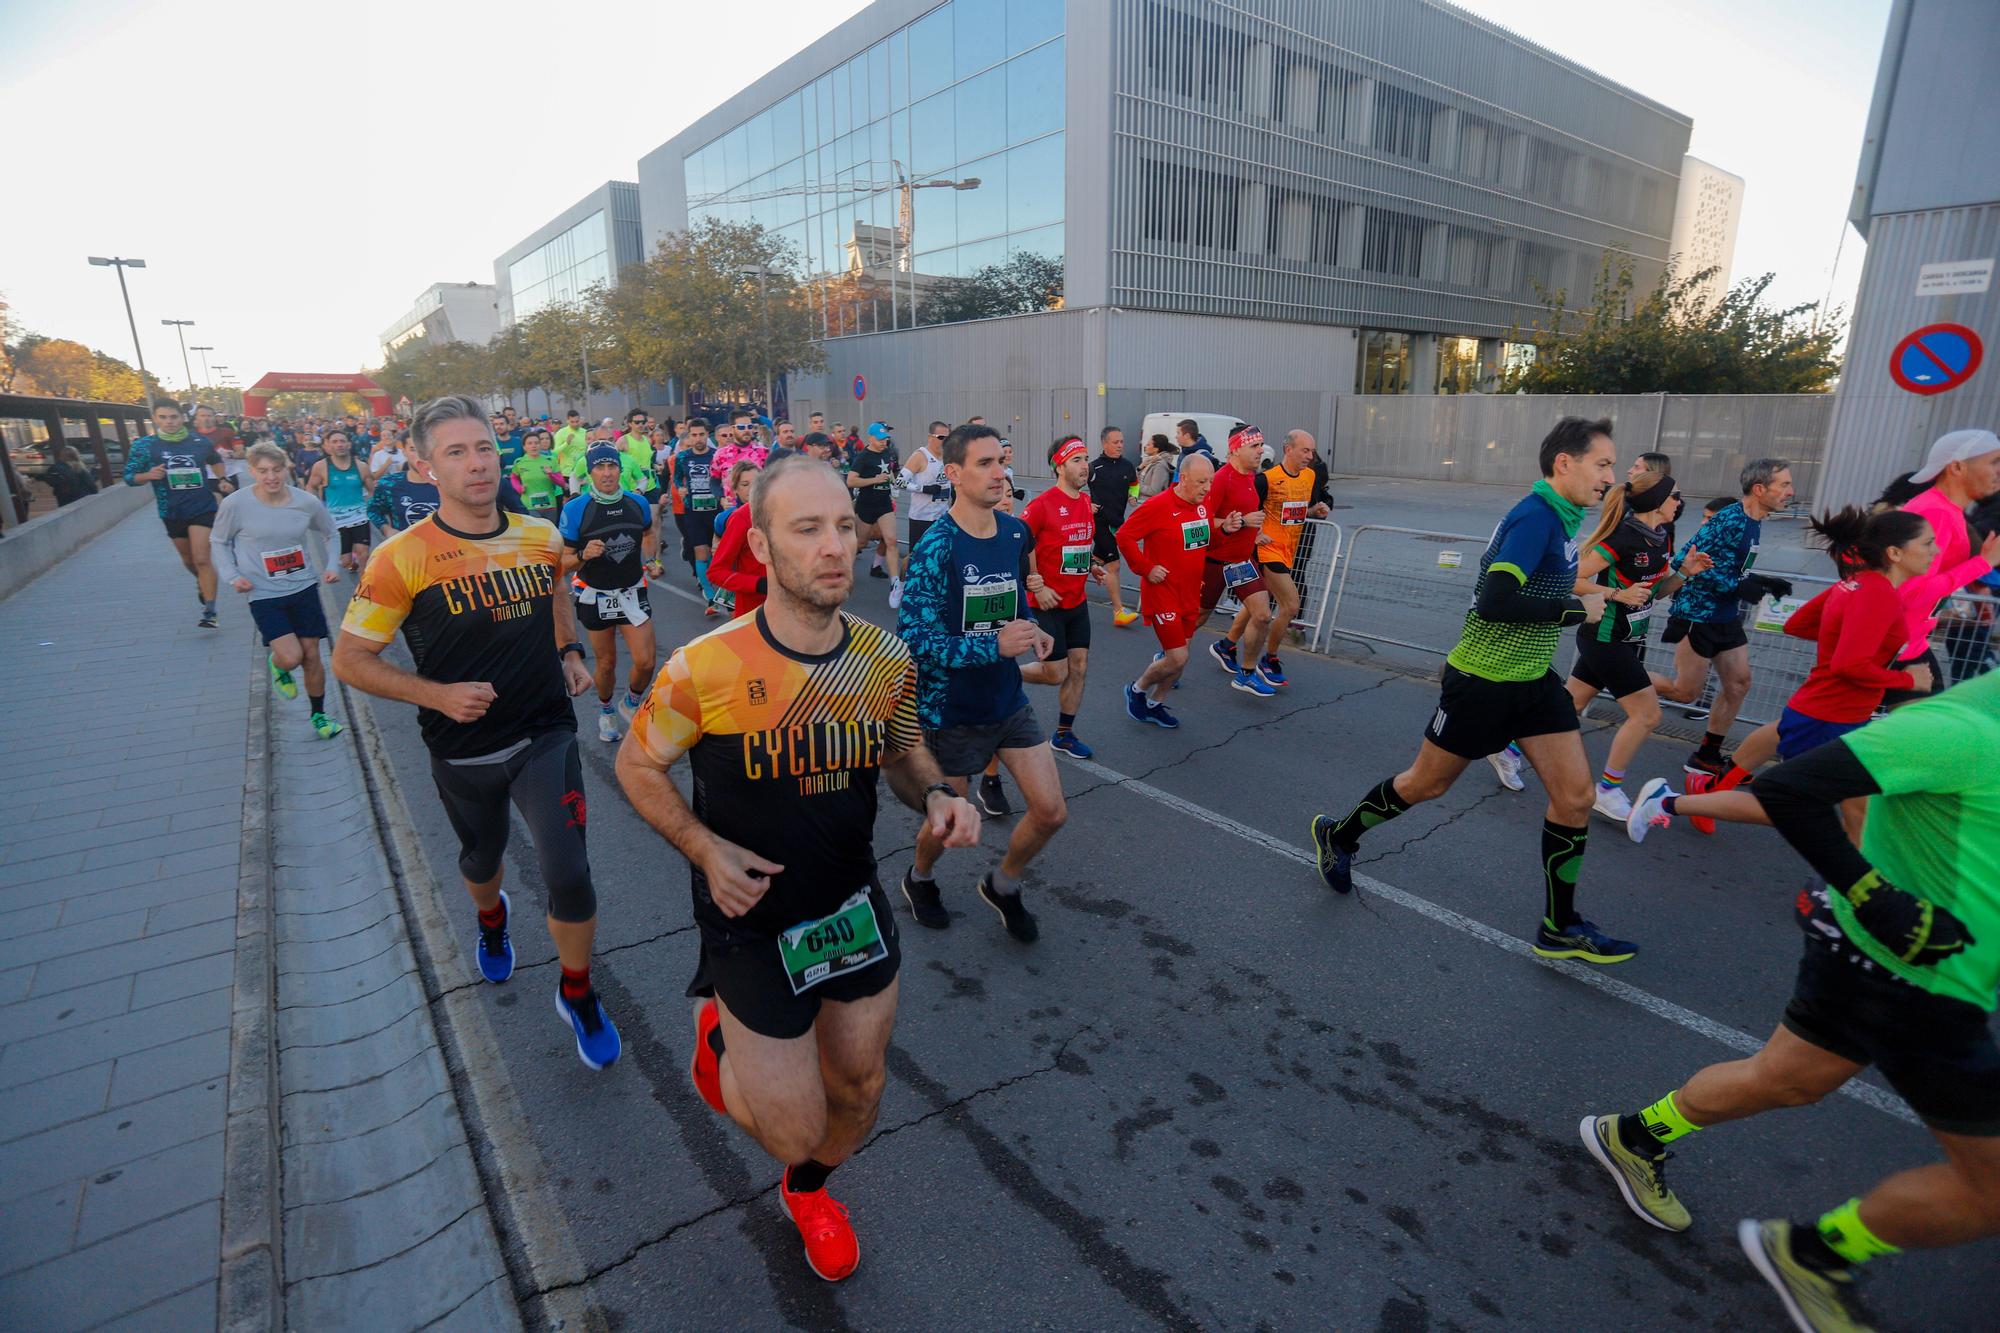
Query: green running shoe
(325, 727)
(282, 681)
(1815, 1298)
(1641, 1179)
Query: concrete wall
(38, 544)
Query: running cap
(1957, 446)
(817, 437)
(603, 453)
(1067, 450)
(878, 430)
(1245, 435)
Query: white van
(1215, 427)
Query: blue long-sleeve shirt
(958, 591)
(1730, 536)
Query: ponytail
(1613, 515)
(1900, 491)
(1858, 539)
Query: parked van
(1215, 427)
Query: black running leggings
(545, 783)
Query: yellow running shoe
(282, 681)
(1123, 618)
(1642, 1180)
(1814, 1297)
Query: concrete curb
(250, 1294)
(515, 1175)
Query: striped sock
(1611, 779)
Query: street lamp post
(204, 349)
(179, 325)
(121, 264)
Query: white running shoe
(1646, 813)
(895, 594)
(1508, 765)
(607, 728)
(1613, 804)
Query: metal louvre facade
(1386, 163)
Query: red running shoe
(705, 1069)
(831, 1249)
(1697, 783)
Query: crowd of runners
(487, 539)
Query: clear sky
(309, 168)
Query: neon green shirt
(536, 473)
(636, 474)
(571, 442)
(1935, 830)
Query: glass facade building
(864, 171)
(585, 245)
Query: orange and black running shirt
(785, 748)
(1286, 498)
(472, 607)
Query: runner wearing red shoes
(1060, 567)
(1165, 541)
(785, 717)
(1236, 503)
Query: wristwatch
(944, 787)
(569, 648)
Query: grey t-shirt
(271, 545)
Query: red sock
(494, 917)
(576, 983)
(1735, 777)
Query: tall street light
(121, 264)
(204, 349)
(180, 324)
(762, 273)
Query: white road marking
(1865, 1093)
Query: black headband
(1653, 497)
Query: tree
(427, 370)
(1672, 340)
(1025, 283)
(59, 367)
(10, 330)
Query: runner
(1288, 503)
(870, 478)
(636, 474)
(343, 484)
(280, 567)
(387, 457)
(785, 717)
(961, 616)
(603, 529)
(1113, 484)
(1498, 687)
(923, 477)
(1963, 468)
(1061, 565)
(1236, 503)
(700, 492)
(1165, 541)
(475, 592)
(1901, 970)
(1629, 553)
(536, 478)
(1707, 624)
(179, 465)
(736, 568)
(571, 441)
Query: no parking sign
(1936, 358)
(860, 389)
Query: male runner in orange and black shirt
(1290, 498)
(786, 715)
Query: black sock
(715, 1040)
(1632, 1132)
(1064, 721)
(1562, 859)
(807, 1176)
(1711, 744)
(1811, 1249)
(1378, 807)
(318, 702)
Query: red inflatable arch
(257, 397)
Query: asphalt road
(1213, 1094)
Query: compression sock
(1611, 779)
(1711, 745)
(701, 575)
(1065, 721)
(318, 702)
(1650, 1130)
(1562, 861)
(1840, 1232)
(807, 1176)
(494, 917)
(576, 983)
(1378, 807)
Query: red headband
(1070, 449)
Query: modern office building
(1073, 212)
(586, 243)
(1706, 212)
(1928, 204)
(447, 312)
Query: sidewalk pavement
(220, 1085)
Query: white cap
(1956, 447)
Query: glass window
(823, 106)
(1384, 364)
(879, 101)
(759, 148)
(862, 109)
(1035, 93)
(983, 211)
(843, 101)
(982, 115)
(1035, 184)
(899, 139)
(938, 264)
(737, 156)
(1458, 365)
(878, 151)
(899, 72)
(979, 34)
(981, 254)
(786, 142)
(930, 52)
(1046, 242)
(1032, 21)
(933, 135)
(936, 223)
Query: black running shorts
(1476, 717)
(964, 751)
(177, 528)
(1618, 669)
(1714, 638)
(749, 978)
(1069, 627)
(544, 781)
(1936, 1052)
(587, 616)
(355, 534)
